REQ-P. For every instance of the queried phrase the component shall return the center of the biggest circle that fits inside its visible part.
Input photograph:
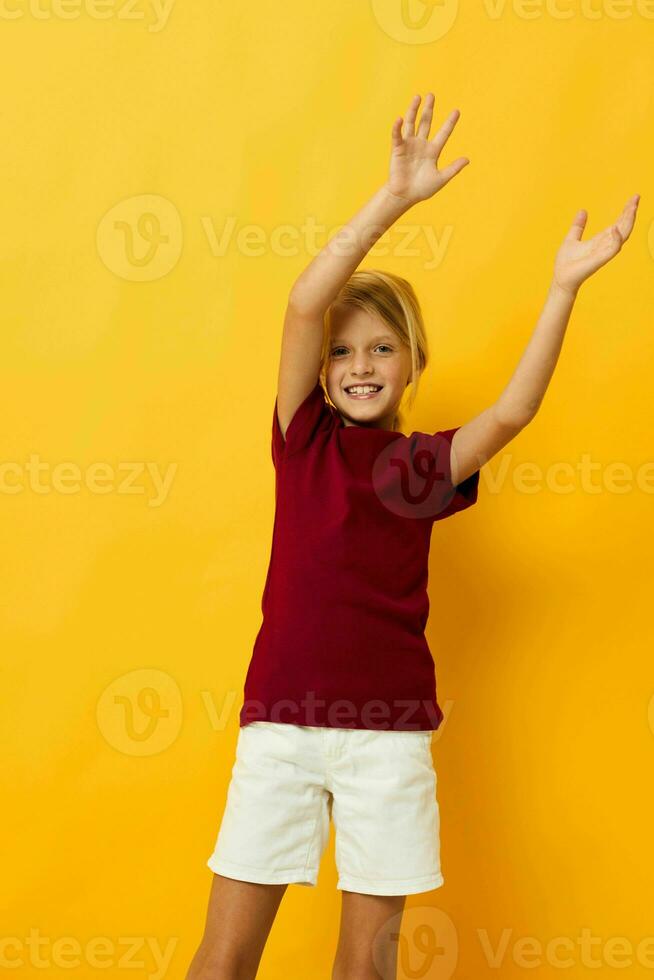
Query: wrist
(563, 292)
(396, 200)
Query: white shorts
(379, 786)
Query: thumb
(577, 226)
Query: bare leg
(362, 918)
(239, 919)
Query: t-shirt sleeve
(455, 498)
(302, 427)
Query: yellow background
(127, 625)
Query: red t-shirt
(345, 602)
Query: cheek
(395, 376)
(331, 380)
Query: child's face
(364, 350)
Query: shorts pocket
(418, 740)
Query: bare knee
(210, 963)
(348, 969)
(239, 918)
(367, 942)
(366, 961)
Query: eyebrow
(374, 340)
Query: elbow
(300, 302)
(515, 417)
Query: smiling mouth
(363, 395)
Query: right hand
(414, 174)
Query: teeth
(362, 389)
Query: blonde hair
(394, 301)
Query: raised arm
(414, 176)
(481, 438)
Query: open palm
(577, 260)
(414, 174)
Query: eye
(336, 350)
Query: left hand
(577, 260)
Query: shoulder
(310, 416)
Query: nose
(361, 366)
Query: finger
(448, 172)
(427, 115)
(616, 234)
(577, 226)
(626, 220)
(396, 132)
(441, 137)
(409, 120)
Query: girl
(340, 696)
